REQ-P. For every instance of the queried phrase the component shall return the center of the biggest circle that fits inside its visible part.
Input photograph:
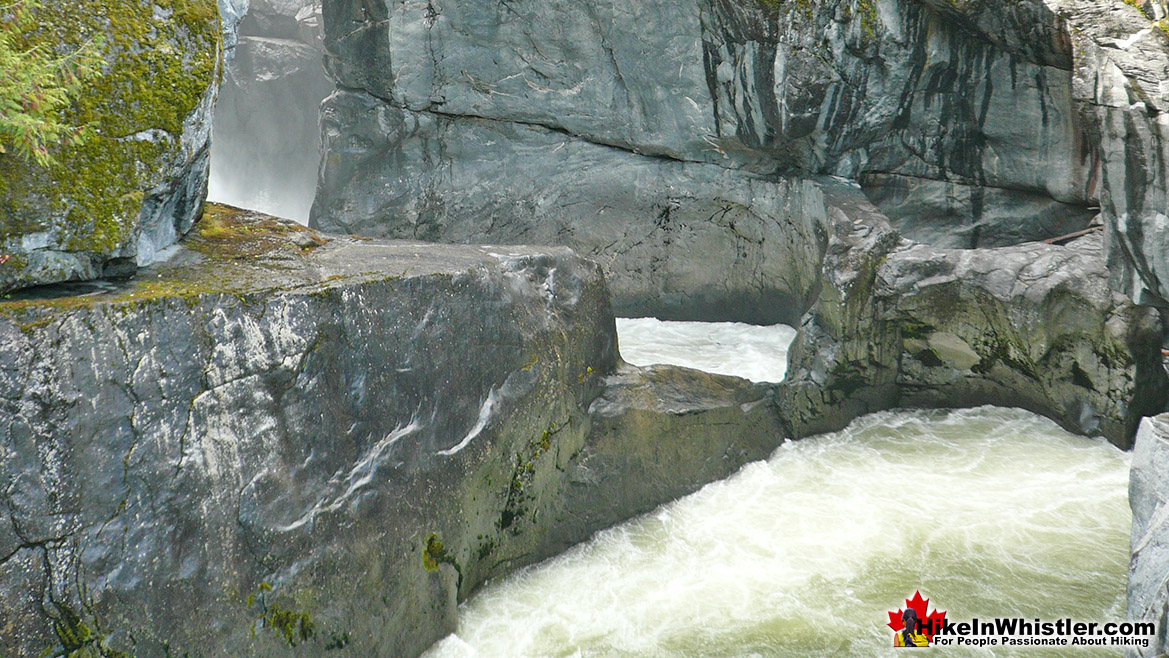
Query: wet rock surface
(660, 433)
(1033, 326)
(280, 437)
(1122, 64)
(964, 141)
(677, 239)
(1148, 594)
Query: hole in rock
(756, 353)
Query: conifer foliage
(37, 84)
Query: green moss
(293, 627)
(1139, 6)
(230, 239)
(75, 639)
(867, 9)
(226, 232)
(434, 555)
(157, 72)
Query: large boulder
(279, 437)
(265, 153)
(660, 433)
(128, 192)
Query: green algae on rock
(138, 182)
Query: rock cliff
(1148, 491)
(279, 437)
(114, 202)
(880, 169)
(961, 139)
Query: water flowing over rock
(133, 188)
(265, 153)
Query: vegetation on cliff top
(159, 61)
(37, 84)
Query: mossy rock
(138, 182)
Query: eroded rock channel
(239, 436)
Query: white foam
(986, 511)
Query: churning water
(989, 512)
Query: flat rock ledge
(277, 438)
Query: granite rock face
(279, 437)
(963, 140)
(1148, 491)
(266, 152)
(113, 203)
(660, 433)
(1121, 84)
(1033, 326)
(677, 239)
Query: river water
(988, 512)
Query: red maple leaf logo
(930, 624)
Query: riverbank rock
(266, 152)
(113, 203)
(1148, 585)
(1033, 326)
(660, 433)
(282, 438)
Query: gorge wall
(280, 437)
(962, 141)
(651, 135)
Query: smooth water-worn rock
(272, 424)
(660, 433)
(1033, 326)
(266, 152)
(279, 437)
(1148, 571)
(677, 239)
(134, 187)
(896, 90)
(1121, 85)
